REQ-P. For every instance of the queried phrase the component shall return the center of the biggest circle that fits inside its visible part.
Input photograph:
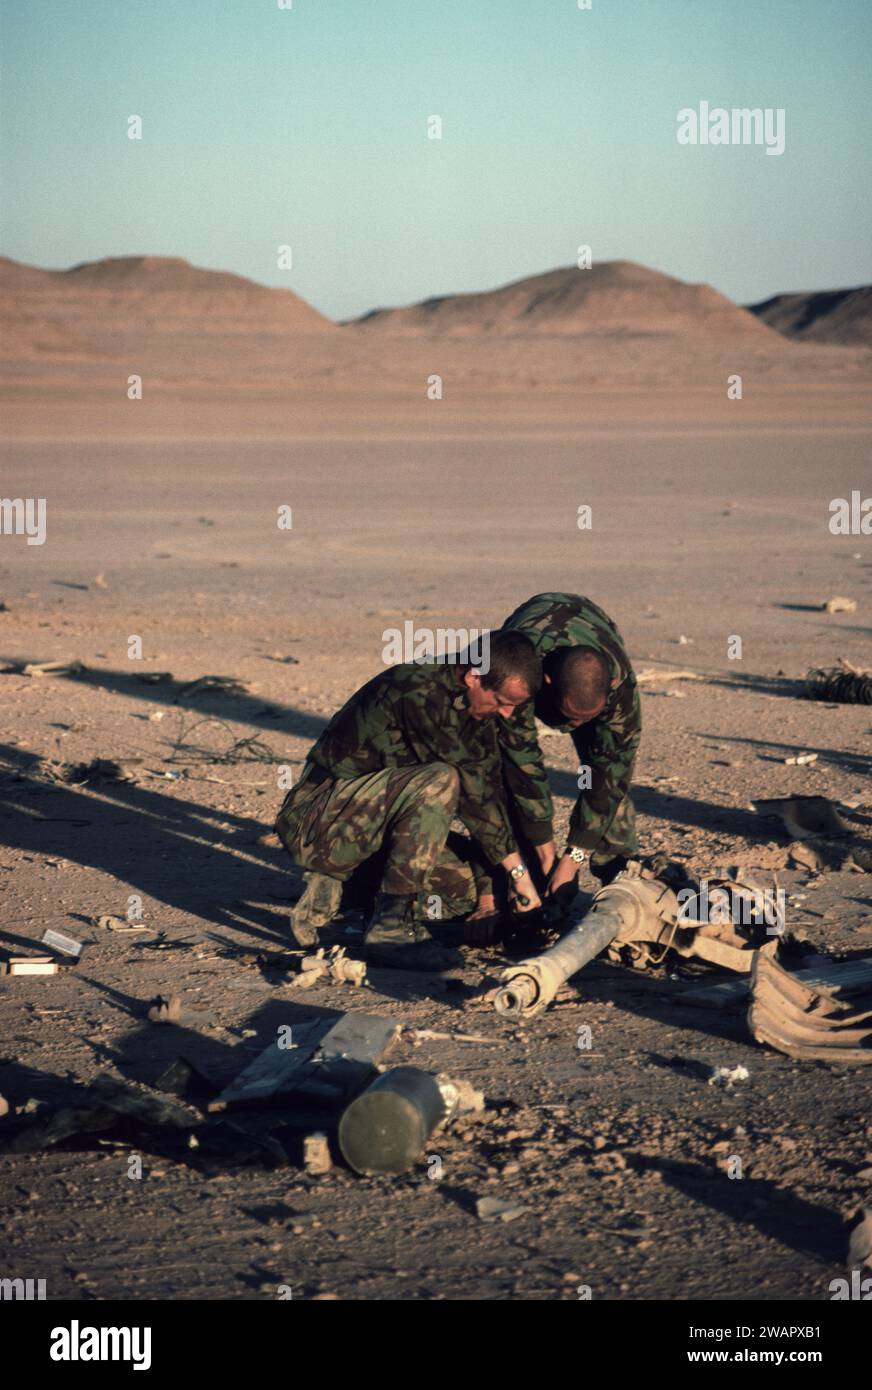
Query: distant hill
(821, 316)
(184, 328)
(610, 298)
(58, 312)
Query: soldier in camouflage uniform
(410, 750)
(589, 690)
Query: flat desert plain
(709, 521)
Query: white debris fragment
(728, 1076)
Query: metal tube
(629, 908)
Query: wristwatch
(576, 855)
(519, 871)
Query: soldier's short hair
(582, 675)
(512, 655)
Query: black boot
(398, 939)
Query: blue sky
(309, 127)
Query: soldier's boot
(398, 939)
(316, 907)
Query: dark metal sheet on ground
(330, 1061)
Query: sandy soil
(709, 521)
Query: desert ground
(709, 521)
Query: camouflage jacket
(418, 714)
(607, 745)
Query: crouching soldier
(411, 750)
(588, 690)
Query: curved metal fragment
(803, 1022)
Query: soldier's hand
(562, 886)
(485, 925)
(483, 931)
(523, 896)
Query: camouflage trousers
(395, 823)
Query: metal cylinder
(527, 985)
(517, 996)
(385, 1128)
(630, 908)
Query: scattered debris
(215, 685)
(240, 750)
(109, 923)
(802, 855)
(496, 1209)
(839, 687)
(153, 677)
(847, 977)
(461, 1097)
(101, 1106)
(67, 945)
(419, 1035)
(305, 979)
(650, 675)
(728, 1076)
(802, 816)
(859, 860)
(802, 759)
(142, 1104)
(63, 1124)
(333, 965)
(318, 1059)
(166, 1010)
(805, 1023)
(684, 641)
(821, 854)
(99, 770)
(285, 660)
(860, 1243)
(839, 605)
(316, 1154)
(182, 1078)
(30, 965)
(53, 668)
(162, 942)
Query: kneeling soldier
(588, 690)
(413, 748)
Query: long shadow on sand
(174, 851)
(678, 810)
(246, 708)
(858, 764)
